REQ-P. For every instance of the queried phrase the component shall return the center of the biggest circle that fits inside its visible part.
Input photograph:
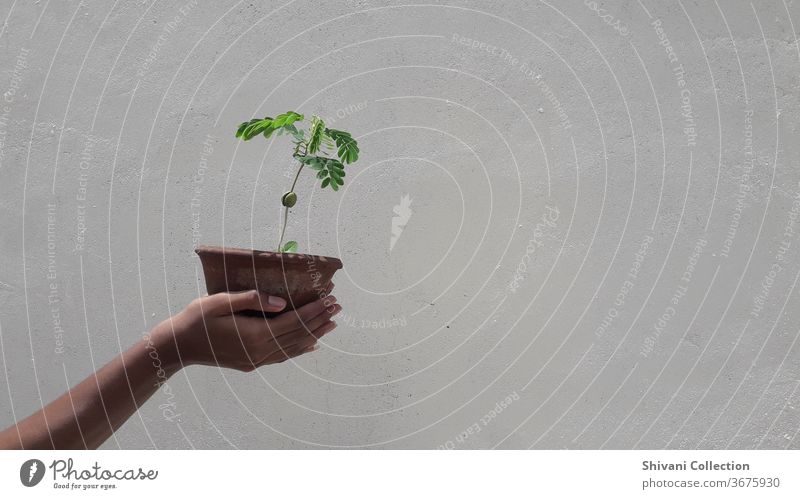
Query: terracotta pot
(295, 277)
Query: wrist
(162, 348)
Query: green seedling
(322, 149)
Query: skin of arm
(207, 332)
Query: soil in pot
(297, 278)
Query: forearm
(210, 331)
(89, 413)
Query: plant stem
(286, 209)
(283, 230)
(296, 177)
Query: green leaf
(245, 128)
(313, 162)
(336, 165)
(334, 186)
(256, 127)
(315, 134)
(334, 133)
(289, 247)
(268, 126)
(240, 130)
(322, 174)
(286, 118)
(348, 147)
(326, 182)
(297, 134)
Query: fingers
(311, 325)
(262, 335)
(229, 303)
(302, 346)
(264, 341)
(295, 319)
(287, 353)
(323, 325)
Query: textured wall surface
(598, 200)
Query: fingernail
(276, 301)
(330, 300)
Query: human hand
(211, 330)
(208, 331)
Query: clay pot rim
(268, 255)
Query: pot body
(297, 278)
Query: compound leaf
(268, 126)
(298, 134)
(315, 134)
(243, 126)
(348, 147)
(256, 127)
(336, 165)
(286, 118)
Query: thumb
(230, 303)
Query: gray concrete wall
(602, 245)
